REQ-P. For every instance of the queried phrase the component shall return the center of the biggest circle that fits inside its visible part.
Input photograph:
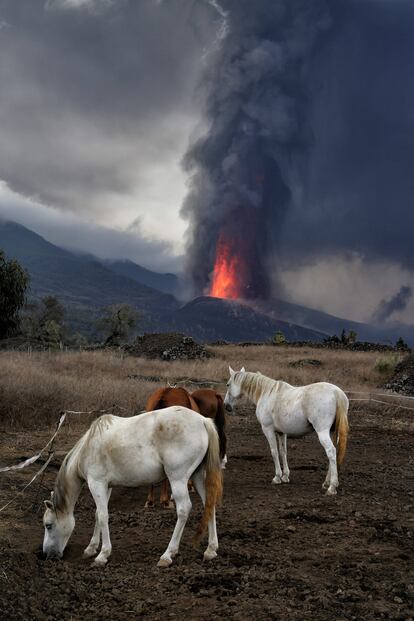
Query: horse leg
(101, 495)
(282, 442)
(199, 483)
(183, 507)
(165, 497)
(325, 484)
(330, 450)
(93, 545)
(270, 435)
(150, 498)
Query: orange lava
(225, 282)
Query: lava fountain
(228, 273)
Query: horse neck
(68, 484)
(254, 385)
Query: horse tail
(220, 420)
(341, 425)
(214, 477)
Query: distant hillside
(168, 283)
(318, 320)
(77, 281)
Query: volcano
(208, 319)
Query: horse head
(58, 528)
(233, 389)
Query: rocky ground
(286, 552)
(403, 378)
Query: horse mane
(60, 492)
(73, 458)
(254, 385)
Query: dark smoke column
(256, 108)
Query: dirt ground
(286, 552)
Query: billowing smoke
(397, 303)
(244, 169)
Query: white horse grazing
(288, 410)
(175, 442)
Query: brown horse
(205, 401)
(210, 404)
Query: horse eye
(48, 526)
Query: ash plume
(397, 303)
(256, 106)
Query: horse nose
(228, 407)
(52, 554)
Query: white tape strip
(31, 460)
(45, 465)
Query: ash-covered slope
(210, 319)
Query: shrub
(279, 338)
(387, 364)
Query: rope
(34, 458)
(379, 394)
(42, 469)
(396, 405)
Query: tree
(352, 337)
(14, 281)
(118, 322)
(52, 310)
(401, 345)
(44, 321)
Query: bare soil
(286, 552)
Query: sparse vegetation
(279, 338)
(386, 364)
(118, 322)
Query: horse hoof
(285, 478)
(276, 481)
(99, 562)
(149, 505)
(87, 553)
(331, 491)
(168, 505)
(209, 555)
(325, 485)
(164, 562)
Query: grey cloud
(90, 99)
(80, 235)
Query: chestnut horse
(207, 402)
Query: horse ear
(231, 371)
(49, 504)
(242, 370)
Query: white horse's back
(142, 449)
(299, 410)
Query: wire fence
(370, 397)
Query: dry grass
(35, 387)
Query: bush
(279, 338)
(387, 364)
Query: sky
(100, 100)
